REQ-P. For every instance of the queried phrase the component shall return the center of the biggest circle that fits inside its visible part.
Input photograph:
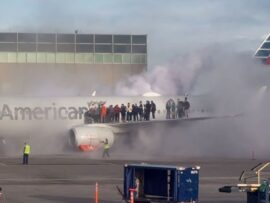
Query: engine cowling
(90, 137)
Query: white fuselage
(21, 113)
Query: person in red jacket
(103, 113)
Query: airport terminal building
(86, 60)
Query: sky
(173, 27)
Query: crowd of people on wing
(180, 109)
(130, 112)
(133, 112)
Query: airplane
(34, 116)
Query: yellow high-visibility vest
(106, 146)
(27, 149)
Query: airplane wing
(88, 137)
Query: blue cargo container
(161, 183)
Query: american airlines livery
(29, 116)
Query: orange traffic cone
(132, 195)
(96, 193)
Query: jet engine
(90, 137)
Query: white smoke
(177, 77)
(236, 84)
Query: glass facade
(8, 37)
(122, 39)
(72, 48)
(46, 38)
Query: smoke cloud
(236, 86)
(233, 82)
(176, 78)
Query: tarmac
(71, 178)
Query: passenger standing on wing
(116, 113)
(87, 117)
(153, 109)
(186, 107)
(173, 108)
(103, 113)
(123, 112)
(177, 105)
(97, 114)
(106, 148)
(135, 112)
(129, 112)
(148, 109)
(140, 109)
(144, 112)
(111, 113)
(180, 108)
(168, 109)
(26, 152)
(92, 114)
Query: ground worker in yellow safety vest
(26, 152)
(106, 148)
